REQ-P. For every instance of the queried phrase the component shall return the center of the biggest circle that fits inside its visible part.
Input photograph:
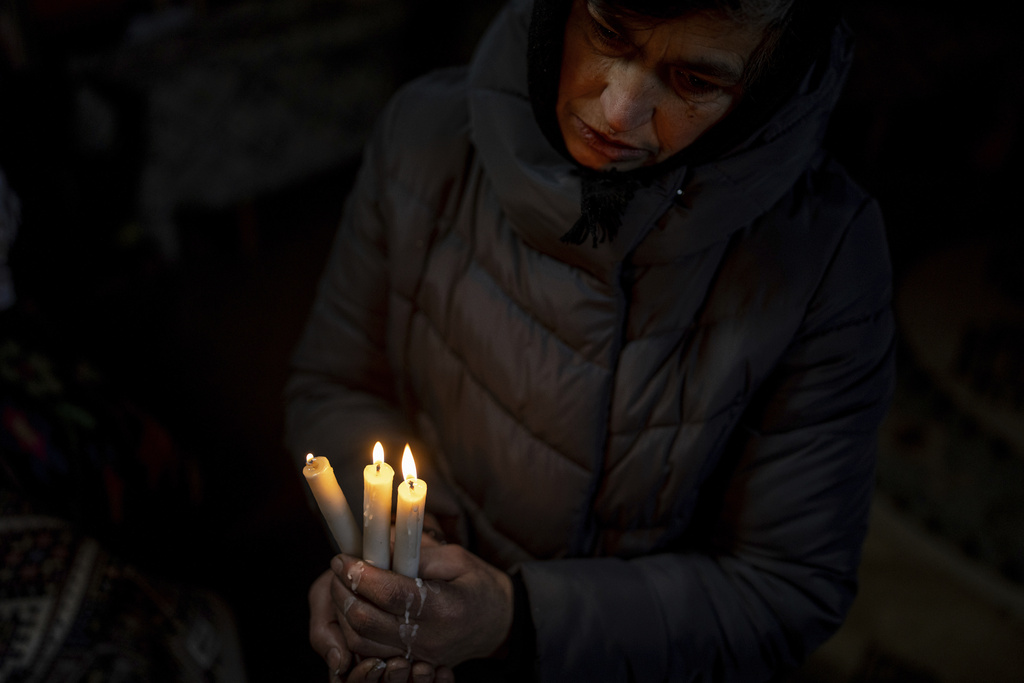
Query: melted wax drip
(407, 634)
(359, 575)
(423, 595)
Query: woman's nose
(629, 97)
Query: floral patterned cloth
(81, 468)
(70, 611)
(75, 448)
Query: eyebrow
(716, 69)
(614, 22)
(611, 21)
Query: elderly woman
(635, 323)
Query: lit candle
(412, 498)
(333, 506)
(377, 482)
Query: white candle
(412, 498)
(333, 506)
(378, 479)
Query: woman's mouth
(613, 151)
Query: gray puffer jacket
(671, 435)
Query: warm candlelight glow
(332, 503)
(408, 464)
(409, 519)
(378, 478)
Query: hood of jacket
(539, 189)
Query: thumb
(444, 562)
(324, 631)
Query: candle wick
(411, 482)
(378, 467)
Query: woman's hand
(460, 610)
(398, 670)
(325, 635)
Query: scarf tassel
(603, 201)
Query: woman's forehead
(699, 38)
(749, 12)
(623, 16)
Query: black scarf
(603, 196)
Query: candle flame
(408, 464)
(378, 453)
(309, 458)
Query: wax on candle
(412, 498)
(378, 479)
(333, 506)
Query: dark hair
(741, 10)
(773, 17)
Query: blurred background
(172, 174)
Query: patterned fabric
(73, 450)
(69, 611)
(74, 447)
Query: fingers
(444, 562)
(432, 537)
(325, 634)
(463, 610)
(397, 670)
(372, 633)
(367, 671)
(393, 670)
(443, 675)
(388, 591)
(422, 672)
(368, 630)
(433, 534)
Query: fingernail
(422, 672)
(377, 671)
(334, 661)
(397, 671)
(337, 565)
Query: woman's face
(632, 96)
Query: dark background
(181, 169)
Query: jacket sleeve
(779, 571)
(340, 393)
(343, 391)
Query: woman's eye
(606, 35)
(695, 85)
